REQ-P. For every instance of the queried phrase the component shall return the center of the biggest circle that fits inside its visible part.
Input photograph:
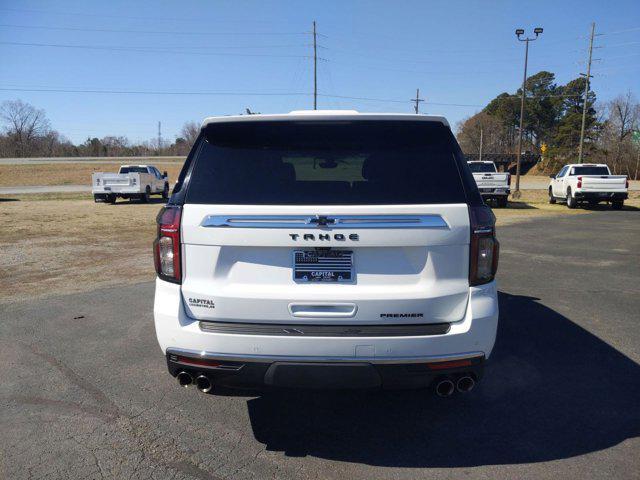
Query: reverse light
(484, 246)
(166, 247)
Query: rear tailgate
(491, 180)
(400, 275)
(604, 183)
(117, 182)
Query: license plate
(323, 266)
(108, 189)
(604, 194)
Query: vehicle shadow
(600, 207)
(552, 390)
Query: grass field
(62, 243)
(65, 173)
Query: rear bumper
(472, 337)
(602, 196)
(263, 373)
(495, 192)
(118, 191)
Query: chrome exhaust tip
(465, 384)
(445, 388)
(203, 384)
(184, 379)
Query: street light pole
(519, 32)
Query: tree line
(26, 132)
(552, 124)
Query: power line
(620, 45)
(620, 31)
(100, 15)
(220, 93)
(149, 92)
(153, 32)
(387, 100)
(151, 50)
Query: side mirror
(165, 174)
(552, 176)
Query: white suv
(326, 250)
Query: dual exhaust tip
(446, 387)
(201, 382)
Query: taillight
(579, 182)
(166, 247)
(484, 248)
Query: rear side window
(482, 167)
(133, 170)
(589, 171)
(326, 163)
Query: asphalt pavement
(84, 391)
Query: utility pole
(417, 100)
(480, 156)
(159, 137)
(520, 31)
(315, 68)
(586, 92)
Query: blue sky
(456, 52)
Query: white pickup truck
(588, 182)
(132, 182)
(492, 185)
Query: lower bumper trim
(285, 358)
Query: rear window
(589, 171)
(482, 167)
(133, 170)
(326, 163)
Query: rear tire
(552, 199)
(144, 198)
(502, 202)
(571, 202)
(165, 191)
(111, 199)
(617, 205)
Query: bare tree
(190, 132)
(24, 125)
(495, 138)
(616, 138)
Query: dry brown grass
(535, 203)
(54, 246)
(65, 173)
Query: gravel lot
(84, 391)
